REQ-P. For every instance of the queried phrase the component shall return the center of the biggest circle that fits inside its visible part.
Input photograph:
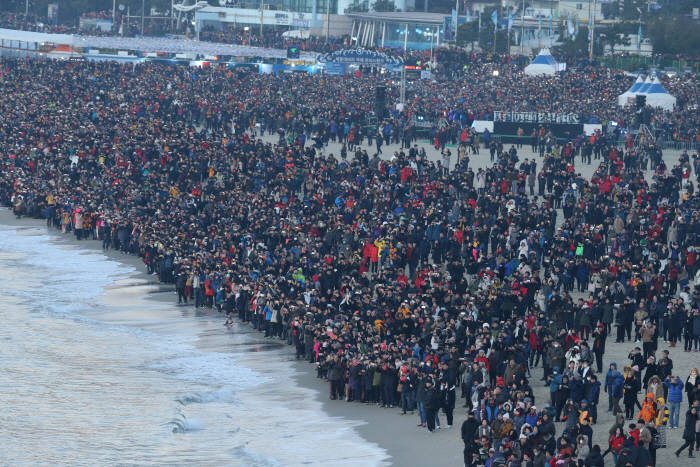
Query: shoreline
(365, 426)
(402, 442)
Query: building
(398, 29)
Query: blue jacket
(531, 419)
(614, 382)
(593, 393)
(554, 384)
(675, 391)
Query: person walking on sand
(689, 435)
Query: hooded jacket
(648, 411)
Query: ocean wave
(182, 424)
(252, 458)
(222, 395)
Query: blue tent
(543, 64)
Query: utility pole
(328, 19)
(405, 39)
(590, 52)
(262, 9)
(522, 28)
(457, 17)
(495, 33)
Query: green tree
(384, 5)
(614, 35)
(486, 34)
(468, 33)
(69, 11)
(575, 47)
(357, 7)
(674, 35)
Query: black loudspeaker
(380, 101)
(641, 101)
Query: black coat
(432, 398)
(689, 431)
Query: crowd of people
(409, 283)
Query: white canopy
(657, 96)
(543, 64)
(643, 88)
(628, 95)
(654, 91)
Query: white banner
(535, 117)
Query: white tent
(657, 96)
(543, 64)
(624, 98)
(643, 88)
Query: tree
(614, 35)
(577, 46)
(357, 7)
(674, 35)
(610, 10)
(69, 11)
(384, 5)
(468, 33)
(486, 33)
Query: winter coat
(613, 383)
(689, 430)
(675, 391)
(594, 459)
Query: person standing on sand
(180, 284)
(432, 403)
(469, 427)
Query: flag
(510, 21)
(570, 26)
(539, 27)
(479, 23)
(639, 37)
(590, 28)
(494, 18)
(550, 23)
(454, 19)
(576, 26)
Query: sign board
(360, 57)
(334, 68)
(534, 117)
